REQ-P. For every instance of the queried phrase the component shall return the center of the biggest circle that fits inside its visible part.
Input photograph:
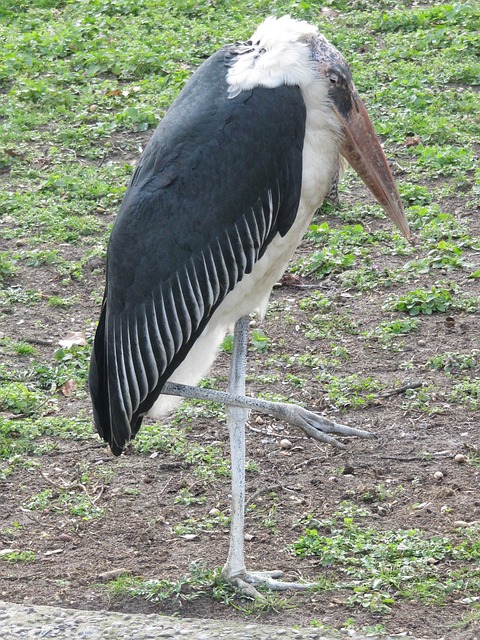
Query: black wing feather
(219, 179)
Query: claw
(267, 579)
(316, 426)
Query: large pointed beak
(362, 149)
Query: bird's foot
(316, 426)
(248, 580)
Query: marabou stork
(220, 199)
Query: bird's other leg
(313, 425)
(234, 570)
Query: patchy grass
(377, 568)
(364, 314)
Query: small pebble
(111, 575)
(438, 475)
(65, 537)
(460, 458)
(285, 444)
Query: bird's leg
(236, 418)
(312, 424)
(234, 570)
(238, 407)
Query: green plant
(186, 497)
(326, 261)
(25, 349)
(426, 399)
(58, 301)
(316, 300)
(200, 582)
(368, 278)
(454, 362)
(18, 556)
(378, 567)
(72, 498)
(350, 391)
(443, 160)
(16, 295)
(194, 525)
(260, 341)
(435, 300)
(7, 266)
(327, 326)
(31, 436)
(388, 330)
(467, 391)
(19, 399)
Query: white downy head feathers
(278, 53)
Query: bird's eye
(333, 78)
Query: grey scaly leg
(234, 570)
(236, 419)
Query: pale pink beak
(363, 151)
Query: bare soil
(136, 532)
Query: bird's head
(293, 52)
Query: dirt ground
(136, 532)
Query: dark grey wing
(218, 180)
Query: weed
(380, 566)
(388, 330)
(324, 262)
(30, 436)
(369, 278)
(435, 300)
(454, 362)
(186, 497)
(443, 160)
(379, 493)
(351, 391)
(7, 266)
(199, 582)
(426, 399)
(326, 326)
(469, 619)
(207, 460)
(227, 343)
(316, 301)
(414, 194)
(41, 257)
(192, 525)
(468, 392)
(59, 302)
(18, 556)
(260, 341)
(19, 399)
(74, 498)
(16, 295)
(444, 256)
(24, 349)
(70, 364)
